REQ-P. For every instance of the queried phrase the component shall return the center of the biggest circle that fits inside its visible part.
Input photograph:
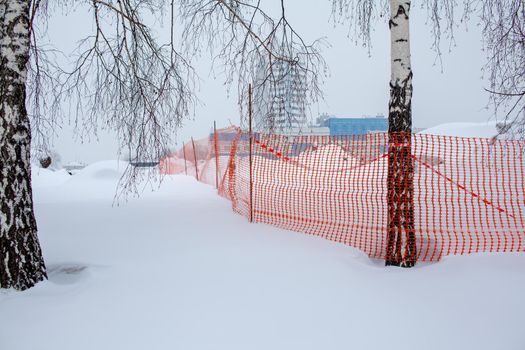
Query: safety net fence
(458, 195)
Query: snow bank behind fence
(468, 193)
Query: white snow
(45, 177)
(176, 269)
(108, 170)
(484, 130)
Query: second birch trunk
(401, 242)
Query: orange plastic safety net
(453, 195)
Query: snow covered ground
(486, 130)
(177, 269)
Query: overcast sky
(357, 85)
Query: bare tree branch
(503, 23)
(122, 79)
(252, 47)
(504, 41)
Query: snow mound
(174, 162)
(483, 130)
(328, 156)
(96, 181)
(108, 170)
(178, 269)
(326, 151)
(41, 177)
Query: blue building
(353, 126)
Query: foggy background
(357, 84)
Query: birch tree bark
(401, 242)
(21, 261)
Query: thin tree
(401, 249)
(504, 41)
(401, 240)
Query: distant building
(353, 125)
(279, 101)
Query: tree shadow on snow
(65, 274)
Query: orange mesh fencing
(467, 194)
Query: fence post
(216, 155)
(184, 152)
(250, 146)
(195, 158)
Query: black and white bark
(362, 15)
(503, 23)
(121, 79)
(401, 243)
(21, 261)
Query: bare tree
(126, 81)
(504, 41)
(122, 79)
(254, 48)
(401, 240)
(363, 15)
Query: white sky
(357, 85)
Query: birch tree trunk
(401, 242)
(21, 262)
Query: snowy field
(177, 269)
